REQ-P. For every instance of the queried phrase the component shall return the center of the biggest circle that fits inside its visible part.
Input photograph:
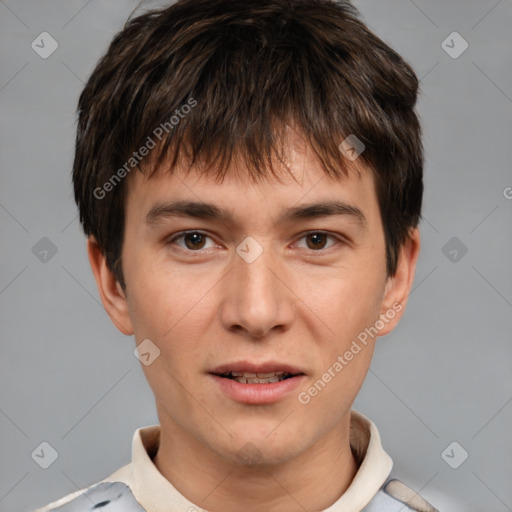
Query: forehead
(237, 198)
(299, 173)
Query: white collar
(156, 494)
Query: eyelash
(338, 240)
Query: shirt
(140, 487)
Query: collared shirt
(140, 487)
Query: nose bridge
(256, 300)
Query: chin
(250, 450)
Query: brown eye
(321, 242)
(193, 240)
(317, 240)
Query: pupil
(195, 237)
(316, 237)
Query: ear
(398, 287)
(111, 294)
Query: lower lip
(258, 393)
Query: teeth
(248, 375)
(256, 380)
(259, 378)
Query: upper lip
(250, 367)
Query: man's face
(255, 289)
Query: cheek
(166, 310)
(157, 292)
(347, 300)
(169, 307)
(349, 304)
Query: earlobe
(398, 287)
(111, 294)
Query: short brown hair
(248, 68)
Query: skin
(302, 301)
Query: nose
(258, 297)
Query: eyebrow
(210, 211)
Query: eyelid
(338, 237)
(175, 236)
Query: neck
(313, 480)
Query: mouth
(258, 378)
(252, 383)
(246, 372)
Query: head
(260, 109)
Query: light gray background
(69, 378)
